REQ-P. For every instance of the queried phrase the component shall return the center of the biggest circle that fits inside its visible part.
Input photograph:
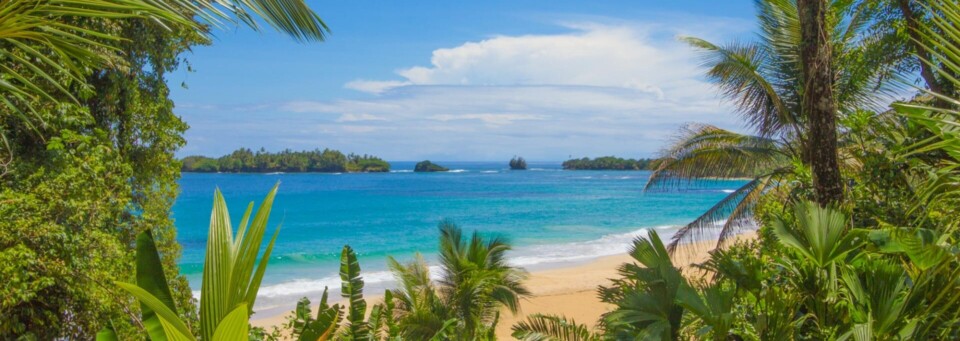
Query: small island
(608, 163)
(518, 163)
(426, 166)
(244, 160)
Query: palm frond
(540, 327)
(738, 72)
(726, 218)
(705, 151)
(352, 290)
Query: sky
(463, 81)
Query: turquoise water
(551, 216)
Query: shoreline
(568, 290)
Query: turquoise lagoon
(553, 217)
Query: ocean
(552, 217)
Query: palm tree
(646, 299)
(475, 282)
(764, 81)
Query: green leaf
(352, 290)
(172, 326)
(233, 327)
(151, 279)
(107, 334)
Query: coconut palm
(763, 80)
(475, 282)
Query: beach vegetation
(475, 283)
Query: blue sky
(457, 80)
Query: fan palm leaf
(646, 294)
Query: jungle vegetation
(608, 163)
(244, 160)
(853, 192)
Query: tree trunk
(818, 104)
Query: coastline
(565, 290)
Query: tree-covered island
(608, 163)
(426, 166)
(244, 160)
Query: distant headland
(244, 160)
(609, 163)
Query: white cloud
(374, 87)
(491, 119)
(359, 118)
(591, 55)
(594, 90)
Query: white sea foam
(402, 171)
(490, 171)
(728, 190)
(274, 173)
(457, 170)
(611, 244)
(278, 297)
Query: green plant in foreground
(464, 304)
(332, 323)
(231, 278)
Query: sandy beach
(569, 291)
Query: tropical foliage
(763, 79)
(244, 160)
(231, 278)
(87, 142)
(882, 264)
(464, 304)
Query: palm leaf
(739, 72)
(234, 326)
(820, 235)
(150, 278)
(539, 327)
(705, 151)
(230, 263)
(352, 290)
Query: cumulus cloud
(590, 55)
(594, 90)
